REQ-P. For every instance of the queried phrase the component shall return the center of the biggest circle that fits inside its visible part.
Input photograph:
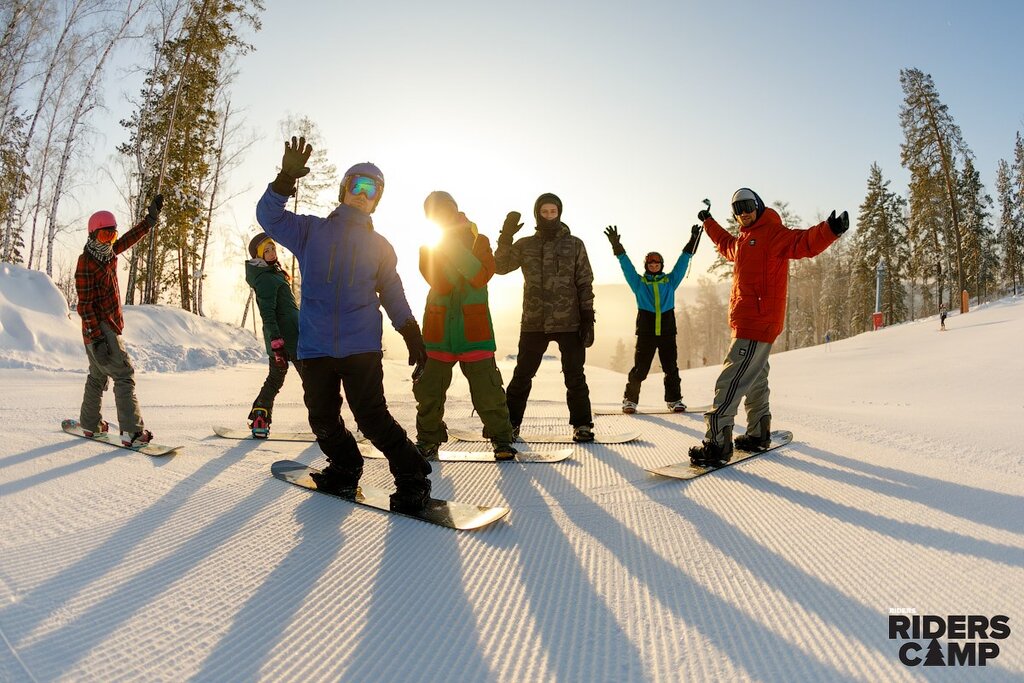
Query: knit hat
(434, 198)
(100, 220)
(546, 198)
(258, 244)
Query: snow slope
(903, 490)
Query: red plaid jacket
(99, 298)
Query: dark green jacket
(277, 304)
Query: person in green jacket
(280, 326)
(457, 328)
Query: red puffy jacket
(757, 306)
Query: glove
(839, 225)
(703, 215)
(293, 166)
(511, 225)
(101, 351)
(155, 207)
(691, 246)
(587, 328)
(410, 332)
(280, 355)
(612, 233)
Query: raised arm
(506, 256)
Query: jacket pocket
(433, 324)
(330, 263)
(475, 322)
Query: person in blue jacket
(655, 318)
(349, 272)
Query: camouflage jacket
(557, 279)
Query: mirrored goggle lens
(362, 184)
(106, 234)
(744, 206)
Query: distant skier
(757, 310)
(558, 306)
(280, 315)
(655, 318)
(348, 272)
(99, 305)
(457, 328)
(942, 319)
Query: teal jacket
(277, 304)
(655, 294)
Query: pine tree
(881, 238)
(976, 231)
(1009, 213)
(620, 360)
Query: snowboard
(612, 409)
(246, 434)
(482, 456)
(446, 513)
(114, 439)
(543, 435)
(685, 470)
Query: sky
(631, 114)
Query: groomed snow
(903, 489)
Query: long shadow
(76, 639)
(259, 625)
(991, 508)
(7, 488)
(25, 456)
(718, 620)
(65, 584)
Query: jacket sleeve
(128, 240)
(632, 277)
(286, 228)
(796, 244)
(266, 299)
(679, 269)
(507, 257)
(477, 266)
(389, 286)
(432, 269)
(725, 243)
(86, 291)
(584, 278)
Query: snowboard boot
(136, 440)
(758, 436)
(504, 451)
(515, 433)
(341, 481)
(583, 433)
(628, 407)
(102, 429)
(711, 453)
(259, 423)
(676, 406)
(427, 450)
(412, 492)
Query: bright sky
(631, 113)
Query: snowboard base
(542, 435)
(114, 439)
(444, 513)
(246, 435)
(686, 470)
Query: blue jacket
(655, 293)
(348, 272)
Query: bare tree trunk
(218, 166)
(245, 311)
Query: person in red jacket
(757, 309)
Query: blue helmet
(366, 169)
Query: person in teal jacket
(655, 318)
(280, 326)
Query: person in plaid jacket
(99, 305)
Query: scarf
(101, 251)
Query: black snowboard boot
(412, 492)
(341, 481)
(711, 453)
(758, 436)
(583, 433)
(504, 451)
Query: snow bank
(37, 331)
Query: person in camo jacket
(558, 306)
(99, 305)
(457, 328)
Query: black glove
(410, 332)
(612, 233)
(293, 166)
(587, 327)
(155, 207)
(280, 354)
(511, 225)
(691, 246)
(839, 225)
(703, 215)
(101, 351)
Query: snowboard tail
(612, 409)
(687, 470)
(114, 439)
(446, 513)
(443, 455)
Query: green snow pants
(485, 389)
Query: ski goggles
(106, 235)
(744, 206)
(365, 185)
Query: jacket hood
(768, 216)
(546, 198)
(256, 267)
(352, 216)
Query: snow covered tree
(1009, 231)
(881, 237)
(976, 231)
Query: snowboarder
(348, 272)
(942, 319)
(655, 318)
(280, 315)
(558, 306)
(457, 328)
(757, 310)
(99, 305)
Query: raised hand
(512, 225)
(691, 246)
(296, 154)
(839, 224)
